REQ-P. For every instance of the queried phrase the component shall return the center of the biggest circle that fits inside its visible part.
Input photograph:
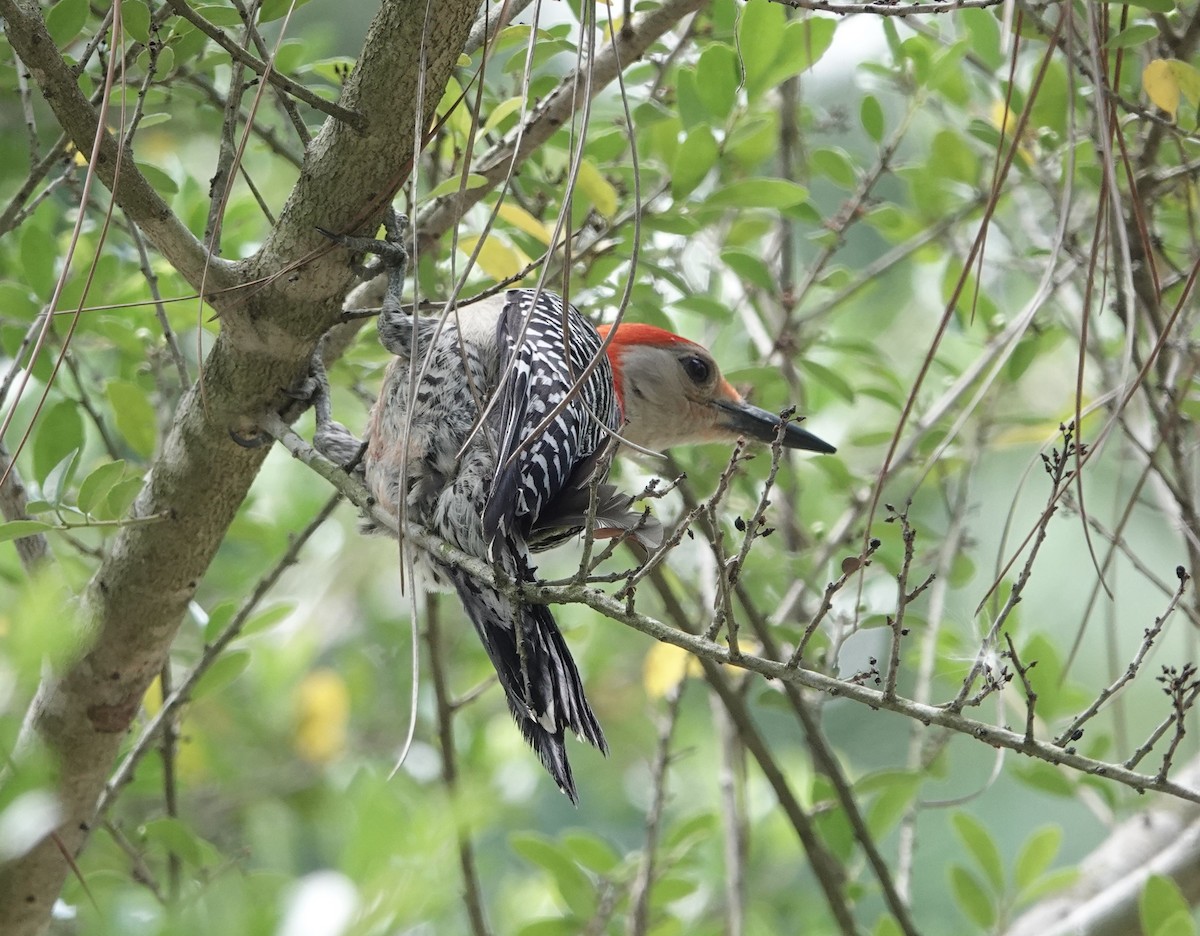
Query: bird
(493, 428)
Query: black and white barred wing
(545, 345)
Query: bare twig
(283, 83)
(639, 892)
(1074, 730)
(618, 610)
(446, 708)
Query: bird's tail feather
(554, 699)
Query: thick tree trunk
(134, 605)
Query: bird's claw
(390, 248)
(257, 440)
(306, 389)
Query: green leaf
(1177, 924)
(119, 499)
(707, 306)
(59, 431)
(889, 806)
(134, 415)
(804, 42)
(870, 112)
(1160, 903)
(971, 898)
(1049, 884)
(38, 254)
(887, 926)
(1154, 6)
(692, 109)
(135, 17)
(97, 485)
(59, 479)
(186, 41)
(275, 9)
(760, 36)
(65, 20)
(218, 618)
(952, 158)
(981, 846)
(834, 163)
(576, 890)
(672, 888)
(152, 120)
(758, 193)
(1044, 777)
(591, 851)
(450, 186)
(15, 529)
(750, 267)
(220, 15)
(1138, 34)
(502, 110)
(225, 669)
(162, 183)
(265, 620)
(1037, 854)
(552, 926)
(829, 379)
(174, 836)
(693, 161)
(717, 80)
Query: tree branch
(708, 651)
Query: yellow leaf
(496, 258)
(152, 701)
(322, 713)
(1005, 121)
(522, 220)
(1002, 118)
(191, 763)
(1162, 86)
(665, 668)
(598, 189)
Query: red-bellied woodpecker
(523, 477)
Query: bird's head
(671, 392)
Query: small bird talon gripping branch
(258, 440)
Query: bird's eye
(697, 369)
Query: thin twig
(1073, 731)
(240, 55)
(706, 650)
(446, 709)
(212, 651)
(639, 891)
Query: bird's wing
(545, 344)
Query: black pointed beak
(742, 418)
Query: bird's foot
(390, 249)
